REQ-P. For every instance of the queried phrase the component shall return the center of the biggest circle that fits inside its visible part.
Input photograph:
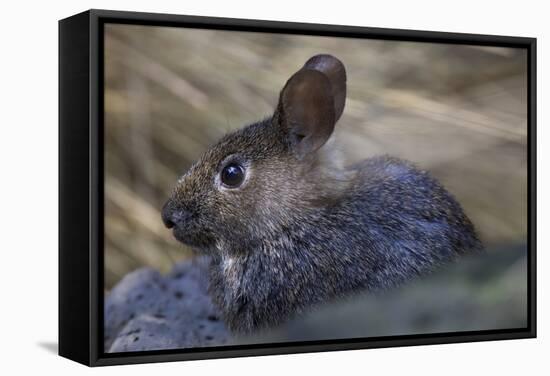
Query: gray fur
(302, 230)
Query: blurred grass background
(458, 111)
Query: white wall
(28, 189)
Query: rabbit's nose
(166, 214)
(172, 215)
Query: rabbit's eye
(232, 175)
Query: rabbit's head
(263, 179)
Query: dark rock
(148, 311)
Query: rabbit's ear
(336, 74)
(311, 102)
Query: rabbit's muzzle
(172, 216)
(186, 226)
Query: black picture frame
(81, 186)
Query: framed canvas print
(237, 187)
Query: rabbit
(288, 227)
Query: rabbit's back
(407, 222)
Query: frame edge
(74, 245)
